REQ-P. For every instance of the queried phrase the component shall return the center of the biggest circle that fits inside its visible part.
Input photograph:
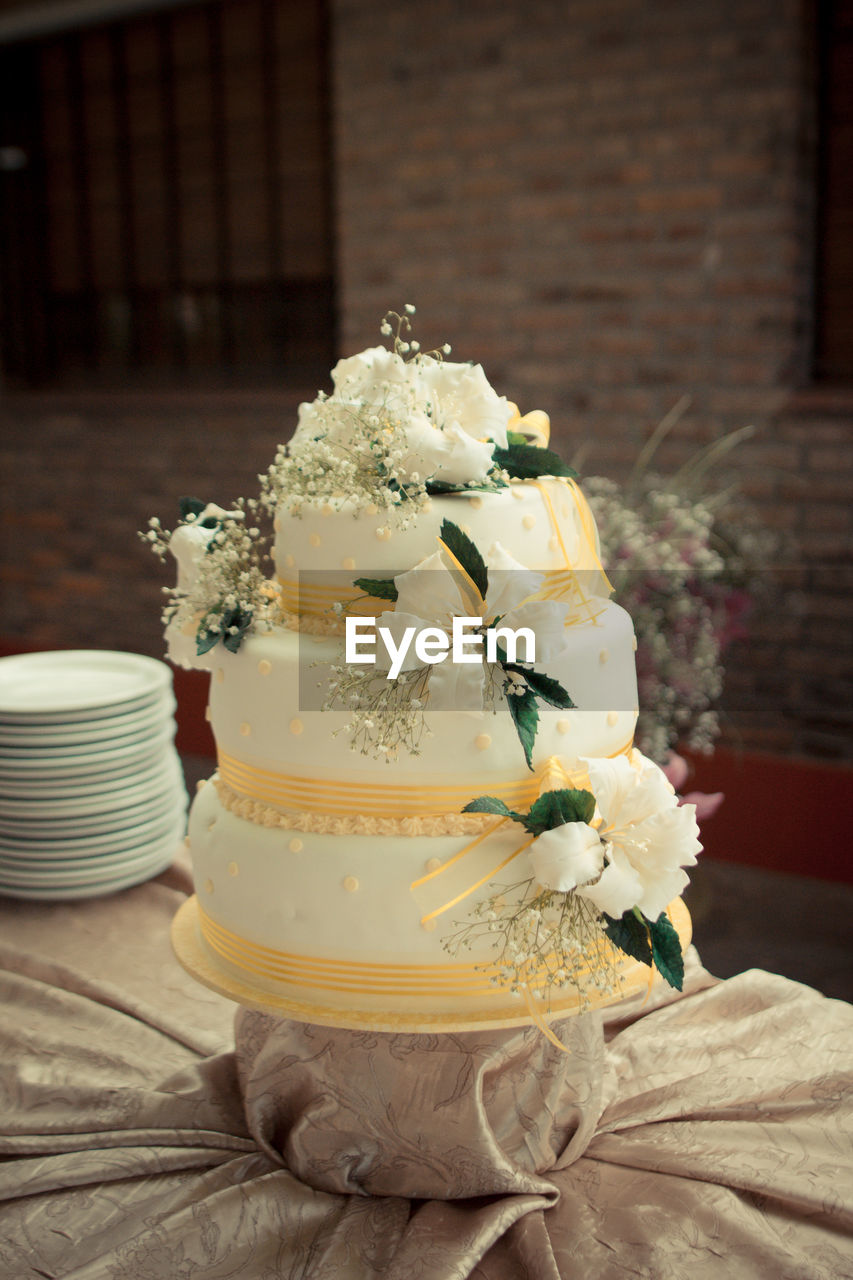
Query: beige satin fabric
(704, 1135)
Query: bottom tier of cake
(357, 930)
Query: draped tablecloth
(707, 1134)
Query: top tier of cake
(544, 524)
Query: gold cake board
(201, 964)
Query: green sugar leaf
(436, 488)
(543, 686)
(190, 507)
(490, 804)
(381, 588)
(527, 461)
(525, 716)
(461, 546)
(631, 935)
(666, 949)
(556, 808)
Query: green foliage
(525, 716)
(542, 686)
(555, 808)
(461, 546)
(525, 461)
(381, 588)
(631, 935)
(666, 949)
(490, 804)
(232, 627)
(651, 942)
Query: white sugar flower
(189, 543)
(567, 856)
(437, 420)
(444, 453)
(648, 837)
(461, 395)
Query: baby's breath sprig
(362, 462)
(385, 715)
(224, 592)
(547, 941)
(397, 326)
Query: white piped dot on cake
(429, 925)
(347, 563)
(371, 509)
(296, 845)
(289, 560)
(432, 864)
(207, 714)
(476, 501)
(634, 643)
(612, 717)
(208, 886)
(384, 533)
(554, 542)
(276, 524)
(327, 509)
(529, 522)
(245, 729)
(350, 884)
(296, 726)
(264, 667)
(604, 656)
(562, 726)
(233, 869)
(315, 540)
(219, 675)
(516, 493)
(483, 741)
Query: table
(148, 1134)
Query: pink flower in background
(676, 770)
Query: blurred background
(616, 206)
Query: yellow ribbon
(313, 795)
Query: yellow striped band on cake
(312, 795)
(383, 800)
(319, 973)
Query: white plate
(86, 715)
(76, 680)
(87, 868)
(98, 799)
(108, 842)
(39, 790)
(69, 894)
(73, 761)
(96, 824)
(40, 737)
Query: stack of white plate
(92, 795)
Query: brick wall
(610, 204)
(80, 475)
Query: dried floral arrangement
(687, 569)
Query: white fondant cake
(358, 886)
